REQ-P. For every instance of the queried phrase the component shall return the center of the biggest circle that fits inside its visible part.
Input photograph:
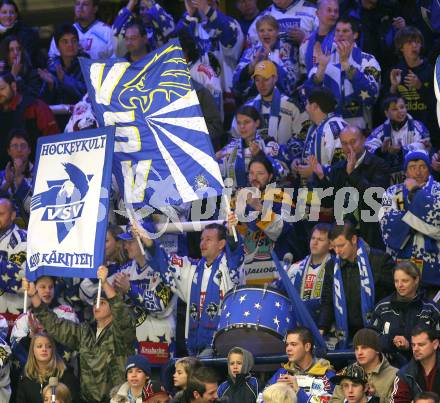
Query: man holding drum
(202, 283)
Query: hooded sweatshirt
(313, 382)
(242, 388)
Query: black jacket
(382, 269)
(371, 172)
(29, 390)
(392, 317)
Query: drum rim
(271, 290)
(246, 325)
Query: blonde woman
(279, 393)
(43, 362)
(268, 47)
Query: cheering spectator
(103, 349)
(282, 118)
(156, 22)
(12, 24)
(16, 178)
(241, 386)
(95, 38)
(64, 82)
(217, 33)
(411, 78)
(409, 218)
(396, 315)
(399, 134)
(43, 363)
(26, 325)
(380, 373)
(265, 230)
(13, 243)
(362, 171)
(322, 139)
(268, 47)
(321, 39)
(422, 372)
(352, 75)
(234, 158)
(18, 111)
(297, 20)
(15, 59)
(115, 257)
(354, 282)
(198, 282)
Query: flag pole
(228, 210)
(25, 302)
(98, 296)
(132, 220)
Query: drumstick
(228, 210)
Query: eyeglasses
(21, 146)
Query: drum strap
(204, 318)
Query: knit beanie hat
(368, 338)
(138, 361)
(417, 155)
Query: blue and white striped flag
(163, 154)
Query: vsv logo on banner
(63, 201)
(70, 204)
(163, 155)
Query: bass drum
(254, 318)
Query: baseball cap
(353, 372)
(265, 69)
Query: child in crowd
(62, 394)
(136, 389)
(279, 393)
(184, 367)
(354, 383)
(241, 386)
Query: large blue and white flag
(69, 206)
(163, 154)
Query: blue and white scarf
(313, 141)
(367, 293)
(202, 325)
(274, 115)
(326, 46)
